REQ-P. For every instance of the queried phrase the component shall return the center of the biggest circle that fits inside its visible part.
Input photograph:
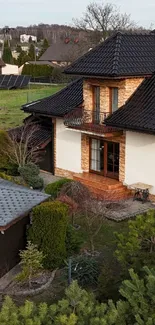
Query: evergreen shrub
(48, 232)
(53, 189)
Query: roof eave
(131, 128)
(109, 76)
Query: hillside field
(12, 100)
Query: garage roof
(16, 201)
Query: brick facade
(126, 88)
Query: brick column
(85, 153)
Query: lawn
(12, 100)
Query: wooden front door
(104, 158)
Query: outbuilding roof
(16, 201)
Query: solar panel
(13, 81)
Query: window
(96, 95)
(113, 99)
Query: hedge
(53, 189)
(35, 70)
(48, 231)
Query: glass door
(97, 156)
(104, 158)
(113, 160)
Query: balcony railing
(87, 120)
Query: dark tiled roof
(123, 54)
(63, 52)
(139, 111)
(39, 137)
(16, 201)
(2, 64)
(60, 103)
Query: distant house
(15, 205)
(63, 52)
(2, 65)
(24, 38)
(10, 69)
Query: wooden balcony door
(104, 158)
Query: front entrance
(104, 158)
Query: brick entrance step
(103, 187)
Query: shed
(16, 203)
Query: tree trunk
(92, 245)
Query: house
(87, 146)
(65, 51)
(10, 69)
(24, 38)
(139, 130)
(15, 205)
(2, 65)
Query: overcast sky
(26, 12)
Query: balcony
(88, 121)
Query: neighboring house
(10, 69)
(24, 38)
(85, 147)
(2, 65)
(63, 52)
(15, 205)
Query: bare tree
(100, 20)
(94, 215)
(22, 148)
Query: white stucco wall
(10, 69)
(140, 159)
(68, 148)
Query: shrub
(36, 182)
(30, 174)
(85, 270)
(53, 189)
(48, 232)
(31, 263)
(28, 171)
(76, 191)
(4, 145)
(12, 169)
(137, 247)
(109, 281)
(73, 241)
(5, 176)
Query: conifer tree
(44, 47)
(31, 52)
(7, 54)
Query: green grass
(12, 100)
